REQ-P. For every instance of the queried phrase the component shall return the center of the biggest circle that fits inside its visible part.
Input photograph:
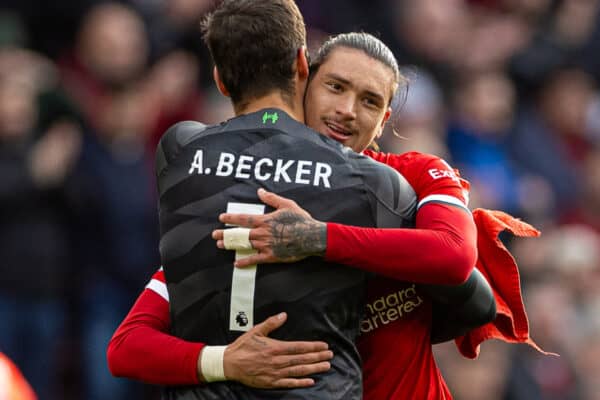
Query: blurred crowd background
(505, 90)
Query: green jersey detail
(273, 117)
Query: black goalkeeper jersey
(204, 171)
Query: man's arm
(143, 349)
(441, 250)
(461, 308)
(425, 255)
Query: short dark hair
(254, 44)
(366, 43)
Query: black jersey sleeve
(172, 142)
(461, 308)
(392, 196)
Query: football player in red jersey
(349, 92)
(349, 96)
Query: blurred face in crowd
(434, 29)
(125, 116)
(488, 101)
(347, 99)
(17, 109)
(113, 43)
(565, 100)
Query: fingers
(291, 348)
(217, 234)
(237, 239)
(292, 376)
(243, 220)
(306, 369)
(299, 361)
(253, 234)
(295, 348)
(290, 383)
(256, 360)
(274, 200)
(270, 324)
(254, 259)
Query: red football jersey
(395, 344)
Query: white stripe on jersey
(243, 280)
(159, 287)
(446, 164)
(465, 193)
(442, 198)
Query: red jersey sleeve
(432, 178)
(440, 250)
(142, 347)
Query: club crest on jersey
(302, 172)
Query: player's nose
(346, 107)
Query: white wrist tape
(211, 363)
(237, 239)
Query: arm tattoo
(297, 236)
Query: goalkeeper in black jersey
(259, 51)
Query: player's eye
(371, 102)
(334, 86)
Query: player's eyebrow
(339, 78)
(370, 93)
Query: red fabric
(427, 174)
(500, 269)
(143, 349)
(442, 253)
(395, 344)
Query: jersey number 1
(241, 308)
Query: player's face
(347, 99)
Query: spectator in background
(111, 50)
(416, 123)
(173, 25)
(482, 117)
(493, 37)
(117, 233)
(573, 257)
(172, 85)
(566, 33)
(551, 308)
(486, 376)
(124, 103)
(35, 248)
(550, 137)
(587, 350)
(587, 208)
(431, 34)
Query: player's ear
(386, 118)
(219, 82)
(302, 62)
